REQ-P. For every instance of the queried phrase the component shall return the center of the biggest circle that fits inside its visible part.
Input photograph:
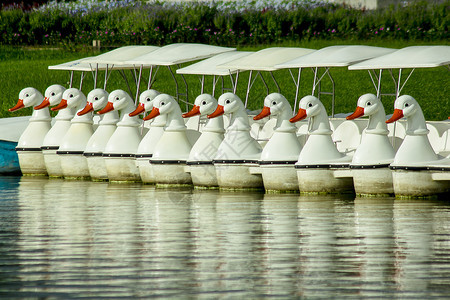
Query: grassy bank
(22, 67)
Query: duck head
(71, 98)
(369, 105)
(145, 102)
(118, 100)
(96, 99)
(311, 107)
(406, 106)
(228, 103)
(204, 104)
(277, 105)
(166, 105)
(28, 97)
(52, 96)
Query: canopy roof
(174, 54)
(336, 56)
(266, 59)
(210, 66)
(409, 57)
(120, 55)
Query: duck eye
(162, 103)
(117, 98)
(26, 95)
(310, 105)
(148, 99)
(406, 104)
(227, 101)
(368, 103)
(71, 96)
(95, 98)
(204, 103)
(53, 94)
(274, 103)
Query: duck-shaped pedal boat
(66, 105)
(417, 170)
(71, 150)
(319, 158)
(31, 159)
(151, 138)
(93, 152)
(172, 150)
(201, 157)
(370, 163)
(120, 151)
(238, 152)
(283, 148)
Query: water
(81, 239)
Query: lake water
(80, 239)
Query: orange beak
(193, 112)
(300, 116)
(154, 113)
(109, 107)
(61, 105)
(218, 112)
(18, 106)
(44, 103)
(140, 109)
(264, 113)
(89, 107)
(359, 112)
(398, 114)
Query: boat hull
(97, 167)
(204, 175)
(279, 178)
(323, 181)
(417, 184)
(31, 162)
(74, 166)
(237, 176)
(145, 170)
(171, 174)
(373, 182)
(122, 169)
(52, 163)
(9, 160)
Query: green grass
(23, 67)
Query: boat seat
(436, 135)
(302, 132)
(347, 136)
(335, 122)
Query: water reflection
(69, 239)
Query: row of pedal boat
(217, 144)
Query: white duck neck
(377, 123)
(175, 121)
(320, 124)
(214, 125)
(415, 124)
(283, 123)
(239, 121)
(40, 115)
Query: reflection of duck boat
(28, 147)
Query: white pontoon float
(417, 169)
(319, 160)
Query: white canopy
(210, 66)
(266, 59)
(82, 66)
(409, 57)
(336, 56)
(178, 53)
(120, 55)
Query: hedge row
(134, 22)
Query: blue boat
(10, 131)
